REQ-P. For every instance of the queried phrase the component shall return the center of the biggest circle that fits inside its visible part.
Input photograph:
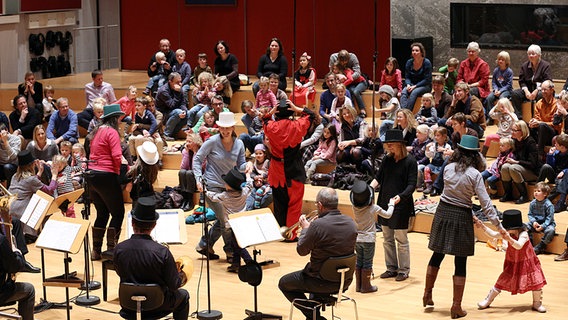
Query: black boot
(508, 187)
(522, 187)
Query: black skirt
(452, 231)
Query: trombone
(289, 232)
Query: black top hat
(512, 219)
(394, 135)
(283, 110)
(361, 194)
(145, 210)
(251, 273)
(234, 179)
(25, 157)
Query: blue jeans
(356, 90)
(196, 113)
(490, 178)
(397, 255)
(174, 123)
(265, 201)
(385, 126)
(490, 100)
(159, 78)
(365, 254)
(251, 141)
(218, 229)
(548, 233)
(408, 100)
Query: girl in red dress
(305, 79)
(521, 270)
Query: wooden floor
(394, 300)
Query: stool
(107, 265)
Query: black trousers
(106, 194)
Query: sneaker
(563, 256)
(401, 277)
(168, 138)
(388, 274)
(212, 256)
(146, 92)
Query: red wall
(48, 5)
(322, 28)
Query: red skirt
(521, 271)
(298, 97)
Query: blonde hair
(227, 90)
(66, 144)
(412, 123)
(507, 104)
(99, 104)
(48, 88)
(423, 128)
(80, 147)
(505, 56)
(180, 51)
(428, 96)
(26, 171)
(205, 76)
(263, 80)
(507, 141)
(59, 159)
(160, 56)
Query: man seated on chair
(63, 123)
(141, 260)
(12, 261)
(331, 234)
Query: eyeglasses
(217, 104)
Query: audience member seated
(450, 74)
(155, 67)
(327, 97)
(273, 61)
(145, 128)
(33, 91)
(127, 104)
(222, 87)
(470, 106)
(349, 60)
(202, 66)
(96, 89)
(542, 125)
(504, 115)
(442, 99)
(304, 82)
(533, 73)
(417, 76)
(502, 81)
(184, 69)
(23, 119)
(392, 76)
(255, 132)
(406, 123)
(525, 166)
(311, 139)
(202, 95)
(43, 149)
(372, 150)
(218, 107)
(226, 64)
(48, 102)
(541, 218)
(427, 114)
(170, 103)
(350, 137)
(556, 162)
(325, 153)
(10, 145)
(63, 123)
(475, 72)
(186, 177)
(389, 107)
(418, 151)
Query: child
(127, 104)
(261, 195)
(341, 100)
(233, 200)
(144, 173)
(427, 114)
(325, 153)
(371, 150)
(392, 76)
(265, 97)
(541, 217)
(145, 127)
(389, 105)
(202, 66)
(79, 160)
(502, 80)
(160, 77)
(185, 175)
(493, 173)
(419, 152)
(366, 212)
(98, 110)
(222, 87)
(559, 152)
(184, 69)
(450, 72)
(202, 95)
(64, 182)
(521, 270)
(260, 163)
(48, 102)
(65, 150)
(504, 114)
(556, 161)
(437, 152)
(209, 127)
(305, 79)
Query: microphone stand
(207, 314)
(294, 57)
(87, 300)
(375, 56)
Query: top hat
(387, 89)
(469, 143)
(251, 273)
(226, 119)
(361, 194)
(25, 157)
(145, 210)
(148, 152)
(234, 179)
(283, 110)
(512, 219)
(394, 135)
(111, 111)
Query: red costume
(286, 174)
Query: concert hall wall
(322, 27)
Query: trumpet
(289, 232)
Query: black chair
(334, 269)
(6, 315)
(141, 298)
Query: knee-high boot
(431, 275)
(508, 187)
(459, 285)
(357, 279)
(98, 234)
(522, 187)
(112, 239)
(366, 285)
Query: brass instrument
(184, 266)
(6, 219)
(289, 232)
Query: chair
(334, 269)
(140, 298)
(6, 315)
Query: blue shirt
(62, 127)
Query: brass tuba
(184, 266)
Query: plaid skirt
(452, 231)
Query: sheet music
(58, 235)
(255, 229)
(33, 212)
(167, 227)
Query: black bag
(321, 179)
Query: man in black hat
(141, 260)
(332, 234)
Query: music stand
(252, 228)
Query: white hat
(226, 119)
(148, 152)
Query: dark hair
(142, 226)
(274, 76)
(333, 133)
(15, 100)
(149, 173)
(280, 50)
(467, 158)
(95, 73)
(394, 65)
(420, 46)
(224, 45)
